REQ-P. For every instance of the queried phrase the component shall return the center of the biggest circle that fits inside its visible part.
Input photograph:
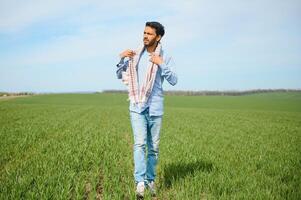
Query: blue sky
(66, 46)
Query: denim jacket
(155, 100)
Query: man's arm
(166, 65)
(167, 73)
(123, 65)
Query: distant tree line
(6, 94)
(213, 93)
(176, 92)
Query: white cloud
(16, 15)
(200, 34)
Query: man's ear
(158, 38)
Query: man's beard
(150, 43)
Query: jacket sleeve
(121, 67)
(167, 72)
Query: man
(144, 71)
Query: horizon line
(166, 91)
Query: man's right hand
(127, 53)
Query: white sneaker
(140, 190)
(152, 188)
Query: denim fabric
(146, 131)
(155, 101)
(142, 68)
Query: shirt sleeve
(167, 72)
(121, 67)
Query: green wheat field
(79, 146)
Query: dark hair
(157, 26)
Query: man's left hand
(158, 60)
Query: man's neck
(151, 49)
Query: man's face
(150, 37)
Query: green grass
(79, 146)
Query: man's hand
(127, 53)
(158, 60)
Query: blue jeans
(146, 130)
